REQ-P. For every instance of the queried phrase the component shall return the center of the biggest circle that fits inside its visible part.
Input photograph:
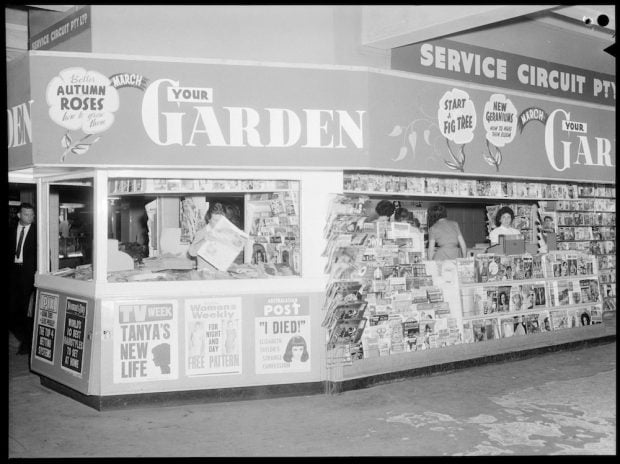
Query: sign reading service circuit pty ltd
(145, 341)
(282, 334)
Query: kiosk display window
(201, 229)
(70, 228)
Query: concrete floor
(561, 403)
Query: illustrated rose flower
(80, 99)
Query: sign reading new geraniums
(500, 122)
(83, 102)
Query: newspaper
(223, 241)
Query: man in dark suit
(23, 266)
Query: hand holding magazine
(222, 242)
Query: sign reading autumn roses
(81, 100)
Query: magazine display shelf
(346, 372)
(349, 364)
(588, 223)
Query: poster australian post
(213, 336)
(282, 330)
(145, 341)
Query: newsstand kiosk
(145, 153)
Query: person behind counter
(384, 210)
(503, 221)
(444, 233)
(231, 213)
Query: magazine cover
(503, 298)
(377, 319)
(585, 317)
(596, 314)
(540, 297)
(411, 332)
(586, 265)
(492, 330)
(397, 340)
(572, 265)
(555, 265)
(347, 332)
(489, 304)
(517, 267)
(573, 317)
(553, 294)
(564, 289)
(468, 301)
(532, 323)
(345, 290)
(527, 266)
(223, 241)
(494, 267)
(466, 270)
(521, 222)
(350, 311)
(519, 326)
(527, 293)
(589, 290)
(468, 332)
(544, 321)
(564, 266)
(427, 332)
(479, 330)
(507, 326)
(371, 340)
(538, 270)
(505, 268)
(482, 267)
(516, 298)
(575, 295)
(549, 222)
(559, 319)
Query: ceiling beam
(60, 8)
(387, 27)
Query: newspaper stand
(110, 343)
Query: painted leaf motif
(488, 159)
(427, 135)
(451, 165)
(396, 131)
(498, 157)
(462, 153)
(80, 148)
(65, 141)
(413, 138)
(401, 154)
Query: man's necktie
(18, 250)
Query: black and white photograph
(239, 230)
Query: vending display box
(139, 319)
